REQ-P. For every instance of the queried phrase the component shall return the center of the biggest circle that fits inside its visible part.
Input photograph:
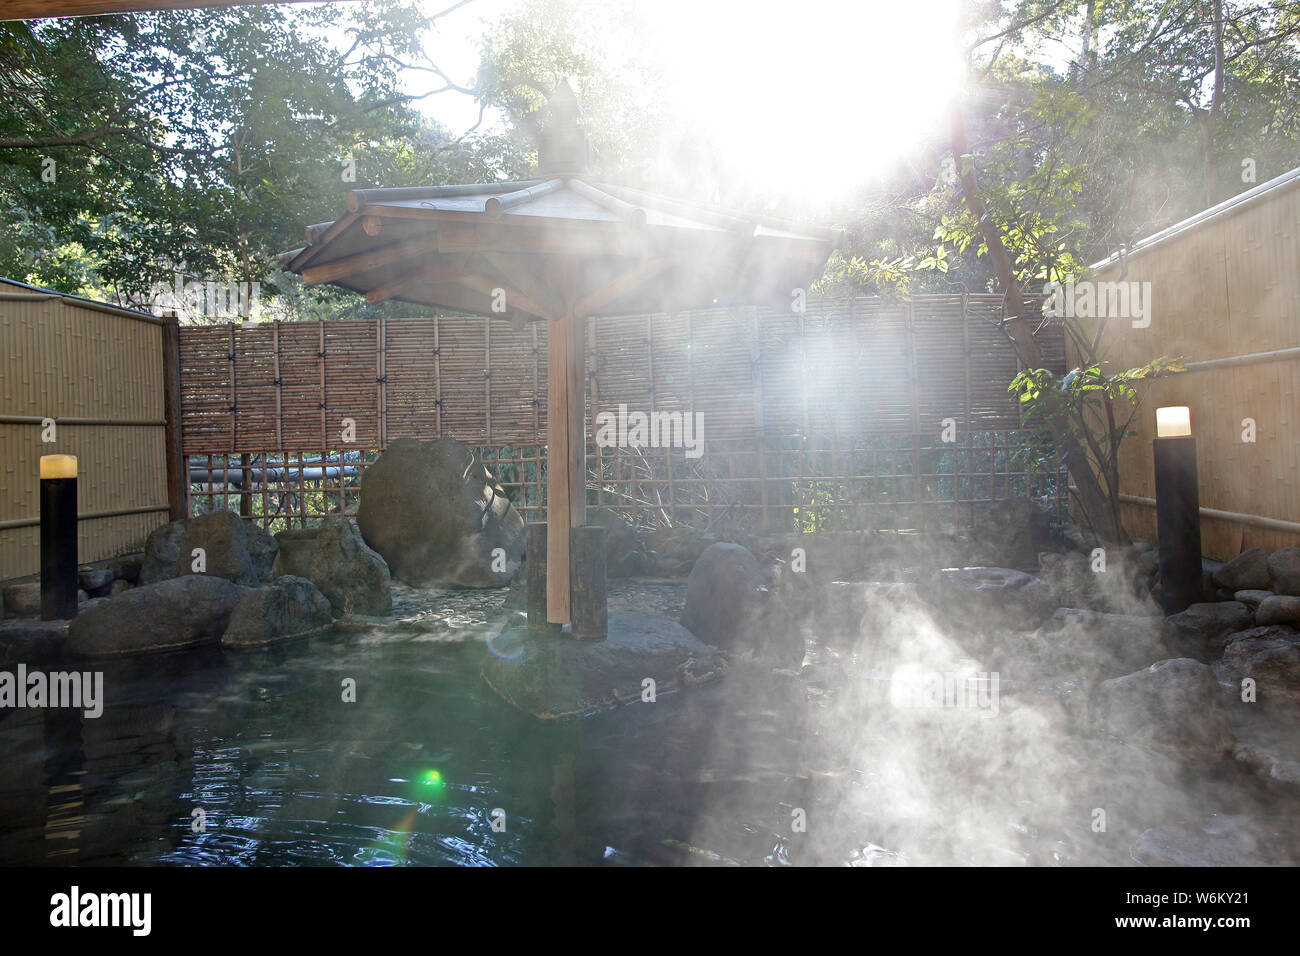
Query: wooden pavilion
(558, 249)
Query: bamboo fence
(838, 410)
(1224, 296)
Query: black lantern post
(1178, 510)
(58, 537)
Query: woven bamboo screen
(844, 368)
(1223, 288)
(98, 374)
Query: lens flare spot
(508, 645)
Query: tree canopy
(134, 147)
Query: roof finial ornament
(563, 149)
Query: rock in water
(729, 604)
(353, 577)
(1227, 840)
(290, 607)
(180, 612)
(436, 515)
(1173, 706)
(552, 676)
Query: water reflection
(259, 759)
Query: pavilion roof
(563, 240)
(450, 246)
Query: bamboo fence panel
(791, 404)
(1223, 287)
(69, 361)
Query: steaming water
(286, 773)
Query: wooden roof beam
(373, 259)
(514, 299)
(597, 299)
(525, 280)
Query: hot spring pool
(254, 759)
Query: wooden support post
(177, 469)
(590, 610)
(535, 565)
(566, 456)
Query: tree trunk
(1099, 511)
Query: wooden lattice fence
(839, 409)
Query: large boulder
(990, 598)
(223, 539)
(1203, 630)
(162, 550)
(1173, 707)
(436, 515)
(1247, 571)
(180, 612)
(233, 549)
(1012, 532)
(1271, 657)
(730, 604)
(353, 577)
(290, 607)
(1284, 571)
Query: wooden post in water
(535, 565)
(590, 610)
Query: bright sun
(815, 96)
